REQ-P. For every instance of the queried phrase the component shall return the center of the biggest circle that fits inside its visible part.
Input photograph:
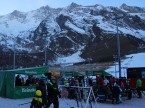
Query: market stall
(11, 88)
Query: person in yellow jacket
(37, 100)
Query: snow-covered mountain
(89, 31)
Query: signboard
(24, 91)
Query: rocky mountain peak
(73, 5)
(124, 6)
(132, 9)
(99, 7)
(17, 13)
(45, 7)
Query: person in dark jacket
(18, 81)
(53, 93)
(29, 81)
(115, 93)
(42, 87)
(129, 91)
(101, 93)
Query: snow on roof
(132, 60)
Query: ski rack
(90, 92)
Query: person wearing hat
(37, 100)
(42, 87)
(53, 93)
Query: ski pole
(76, 97)
(24, 103)
(90, 103)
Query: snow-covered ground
(64, 103)
(132, 60)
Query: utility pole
(118, 41)
(14, 58)
(45, 55)
(46, 46)
(118, 47)
(115, 57)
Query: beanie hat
(38, 93)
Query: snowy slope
(69, 60)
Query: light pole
(46, 46)
(115, 57)
(118, 46)
(14, 57)
(120, 16)
(118, 42)
(45, 55)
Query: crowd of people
(26, 80)
(104, 88)
(115, 89)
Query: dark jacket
(42, 88)
(18, 81)
(52, 90)
(115, 91)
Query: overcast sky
(7, 6)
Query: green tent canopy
(7, 82)
(70, 74)
(100, 72)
